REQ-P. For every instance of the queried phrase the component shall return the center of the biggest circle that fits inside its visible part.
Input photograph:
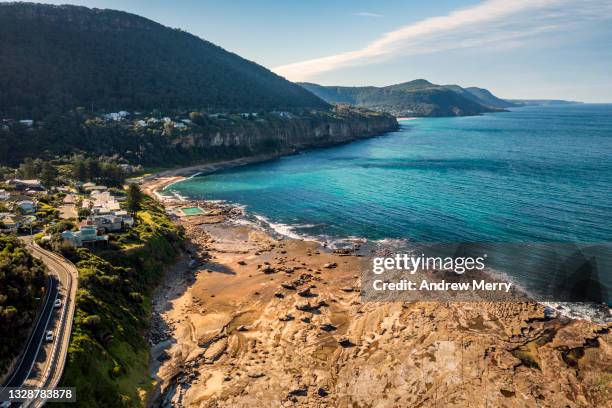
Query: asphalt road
(22, 372)
(63, 276)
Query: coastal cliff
(282, 137)
(188, 138)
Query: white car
(58, 303)
(49, 336)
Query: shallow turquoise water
(534, 174)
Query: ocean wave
(581, 311)
(179, 196)
(286, 230)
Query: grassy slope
(108, 355)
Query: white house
(4, 195)
(283, 114)
(107, 222)
(117, 116)
(27, 122)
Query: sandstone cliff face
(284, 138)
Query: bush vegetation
(108, 355)
(22, 285)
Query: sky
(555, 49)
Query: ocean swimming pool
(192, 211)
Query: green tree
(134, 199)
(79, 169)
(112, 174)
(93, 168)
(27, 169)
(48, 174)
(198, 118)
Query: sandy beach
(249, 319)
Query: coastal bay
(505, 178)
(250, 318)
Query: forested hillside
(414, 98)
(56, 58)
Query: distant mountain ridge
(56, 58)
(423, 98)
(542, 102)
(483, 96)
(414, 98)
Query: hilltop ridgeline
(414, 98)
(56, 58)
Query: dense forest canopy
(56, 58)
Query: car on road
(49, 336)
(58, 303)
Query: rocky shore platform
(246, 319)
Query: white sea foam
(582, 311)
(285, 229)
(178, 196)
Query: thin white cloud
(490, 22)
(367, 14)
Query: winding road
(63, 277)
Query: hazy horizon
(525, 49)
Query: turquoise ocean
(533, 174)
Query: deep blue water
(531, 175)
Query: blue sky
(516, 48)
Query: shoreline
(231, 314)
(564, 309)
(206, 168)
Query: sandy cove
(248, 320)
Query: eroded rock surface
(232, 344)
